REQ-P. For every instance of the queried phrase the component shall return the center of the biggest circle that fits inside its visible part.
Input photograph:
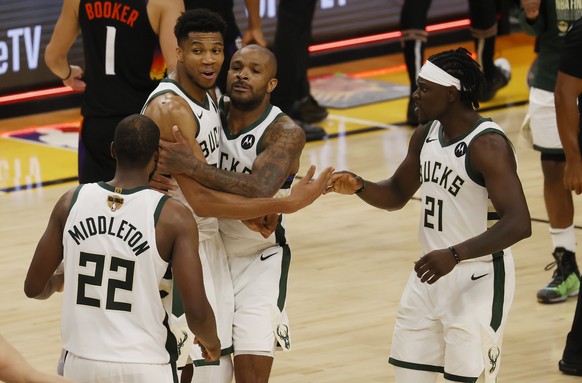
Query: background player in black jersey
(122, 41)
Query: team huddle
(176, 267)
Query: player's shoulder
(287, 125)
(175, 210)
(283, 130)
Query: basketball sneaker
(500, 78)
(565, 280)
(568, 368)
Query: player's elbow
(31, 289)
(525, 231)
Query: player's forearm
(247, 208)
(57, 63)
(204, 329)
(505, 233)
(254, 17)
(226, 181)
(54, 284)
(568, 121)
(211, 203)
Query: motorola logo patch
(460, 149)
(248, 142)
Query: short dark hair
(136, 139)
(198, 20)
(460, 64)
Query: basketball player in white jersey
(121, 244)
(260, 148)
(185, 99)
(455, 305)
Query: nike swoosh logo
(430, 140)
(264, 257)
(200, 117)
(474, 278)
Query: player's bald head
(266, 57)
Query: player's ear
(452, 93)
(157, 155)
(179, 54)
(272, 84)
(112, 150)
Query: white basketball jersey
(208, 135)
(455, 202)
(112, 306)
(237, 154)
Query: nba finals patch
(342, 91)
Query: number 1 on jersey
(110, 51)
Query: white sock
(565, 238)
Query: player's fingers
(309, 175)
(164, 144)
(177, 134)
(326, 174)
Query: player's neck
(129, 179)
(240, 117)
(192, 89)
(458, 123)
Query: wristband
(69, 75)
(455, 254)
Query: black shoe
(312, 132)
(500, 78)
(308, 110)
(570, 368)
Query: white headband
(433, 73)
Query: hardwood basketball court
(350, 261)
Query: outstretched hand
(573, 177)
(174, 156)
(343, 182)
(432, 266)
(308, 189)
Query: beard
(245, 103)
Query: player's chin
(422, 117)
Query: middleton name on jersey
(123, 230)
(435, 173)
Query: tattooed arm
(281, 149)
